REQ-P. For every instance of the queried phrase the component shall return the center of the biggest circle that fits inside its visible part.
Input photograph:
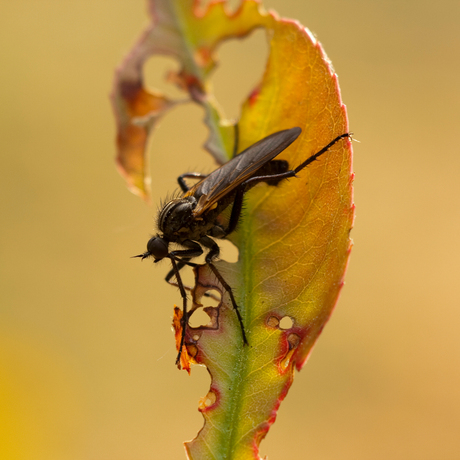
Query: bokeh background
(86, 351)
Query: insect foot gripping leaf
(293, 237)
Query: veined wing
(243, 166)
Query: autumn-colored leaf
(294, 238)
(185, 358)
(177, 31)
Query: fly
(191, 220)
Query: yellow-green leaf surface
(294, 238)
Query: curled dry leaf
(177, 30)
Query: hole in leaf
(241, 64)
(199, 318)
(206, 402)
(187, 276)
(168, 157)
(211, 298)
(230, 5)
(155, 72)
(228, 251)
(286, 322)
(196, 337)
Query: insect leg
(272, 171)
(272, 168)
(181, 263)
(241, 190)
(214, 252)
(237, 140)
(180, 266)
(286, 175)
(192, 175)
(184, 255)
(236, 209)
(323, 150)
(194, 251)
(184, 307)
(273, 178)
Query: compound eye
(157, 247)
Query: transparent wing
(243, 166)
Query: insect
(191, 220)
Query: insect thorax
(177, 222)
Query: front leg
(182, 257)
(184, 306)
(191, 175)
(181, 263)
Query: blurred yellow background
(86, 351)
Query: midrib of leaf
(246, 302)
(234, 412)
(229, 445)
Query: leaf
(177, 30)
(294, 238)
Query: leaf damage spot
(286, 323)
(202, 316)
(293, 341)
(199, 318)
(273, 322)
(185, 358)
(203, 56)
(208, 401)
(204, 313)
(252, 99)
(212, 298)
(289, 340)
(192, 350)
